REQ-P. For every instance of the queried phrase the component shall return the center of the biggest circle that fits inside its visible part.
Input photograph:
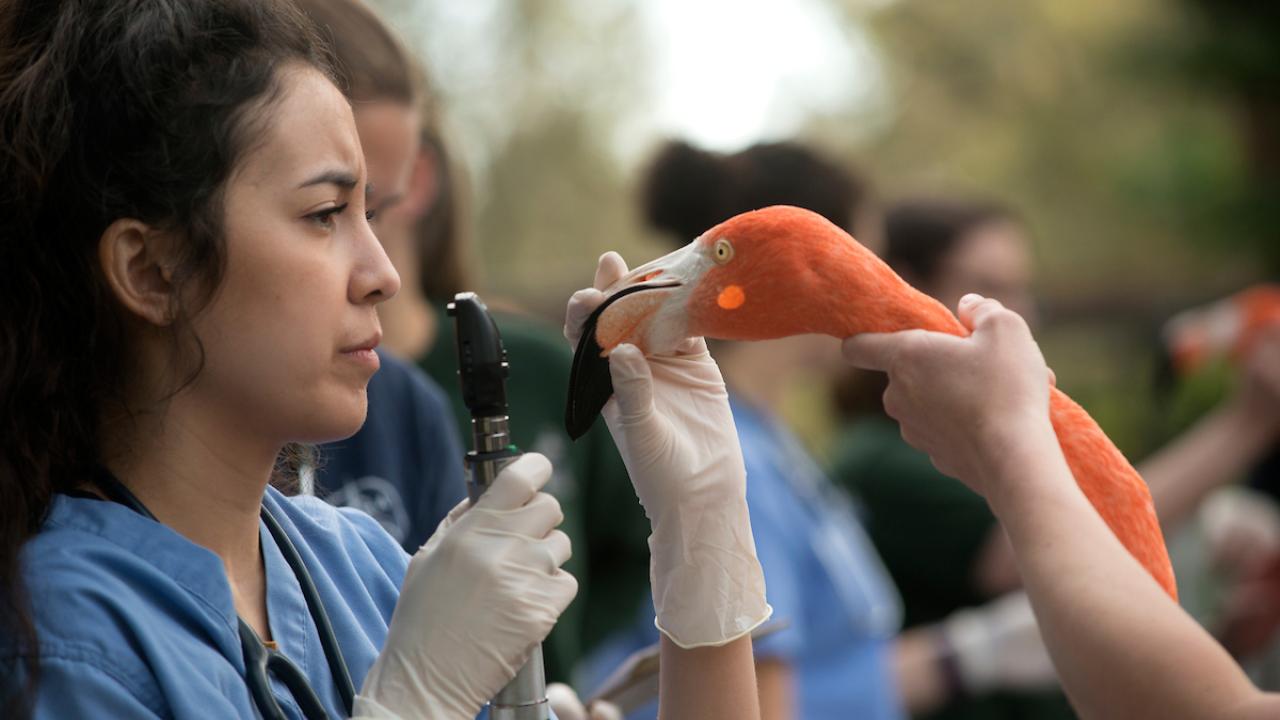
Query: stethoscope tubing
(258, 659)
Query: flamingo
(1230, 326)
(783, 271)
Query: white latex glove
(476, 598)
(670, 418)
(567, 706)
(997, 647)
(1241, 528)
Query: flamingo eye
(722, 251)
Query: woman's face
(289, 335)
(992, 259)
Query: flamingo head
(760, 275)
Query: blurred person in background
(408, 455)
(945, 249)
(841, 654)
(404, 465)
(1237, 591)
(940, 541)
(601, 512)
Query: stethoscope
(259, 660)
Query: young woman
(188, 285)
(979, 407)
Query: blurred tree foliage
(1234, 52)
(535, 94)
(1074, 114)
(1116, 130)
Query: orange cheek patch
(731, 298)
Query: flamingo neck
(858, 293)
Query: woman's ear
(135, 262)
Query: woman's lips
(364, 356)
(363, 353)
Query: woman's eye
(325, 217)
(371, 214)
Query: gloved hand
(566, 705)
(1241, 529)
(485, 588)
(670, 418)
(997, 647)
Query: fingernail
(625, 351)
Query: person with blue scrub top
(188, 293)
(822, 573)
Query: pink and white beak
(647, 307)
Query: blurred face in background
(389, 134)
(992, 259)
(403, 181)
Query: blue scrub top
(136, 621)
(822, 577)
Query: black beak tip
(590, 385)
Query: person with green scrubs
(938, 539)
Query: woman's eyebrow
(341, 178)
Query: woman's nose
(375, 279)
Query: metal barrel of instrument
(482, 372)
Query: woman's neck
(204, 479)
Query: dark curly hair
(687, 190)
(109, 109)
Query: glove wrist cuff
(708, 586)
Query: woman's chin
(336, 421)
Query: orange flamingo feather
(784, 271)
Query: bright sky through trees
(730, 72)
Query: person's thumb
(517, 483)
(564, 701)
(601, 710)
(632, 382)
